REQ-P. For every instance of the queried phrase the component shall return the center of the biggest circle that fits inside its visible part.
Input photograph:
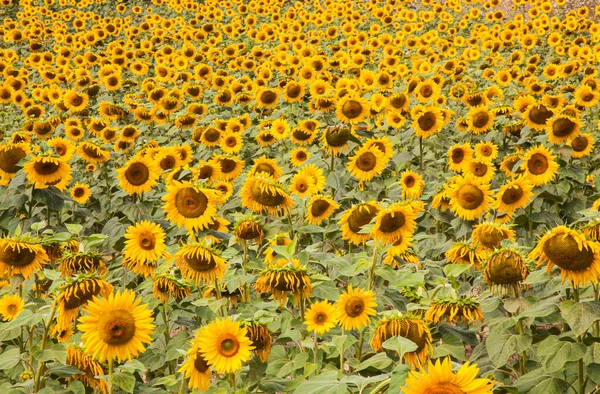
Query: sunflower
(302, 185)
(355, 308)
(439, 378)
(92, 153)
(165, 286)
(468, 198)
(81, 262)
(459, 156)
(44, 171)
(463, 253)
(452, 310)
(116, 327)
(260, 338)
(487, 237)
(62, 147)
(250, 229)
(283, 278)
(145, 242)
(412, 184)
(298, 156)
(224, 345)
(316, 177)
(198, 262)
(231, 166)
(11, 306)
(480, 120)
(75, 101)
(91, 368)
(505, 269)
(427, 121)
(366, 163)
(393, 223)
(190, 206)
(267, 98)
(321, 317)
(335, 139)
(410, 327)
(320, 208)
(582, 146)
(585, 96)
(77, 293)
(562, 128)
(282, 239)
(577, 258)
(515, 194)
(266, 166)
(21, 256)
(138, 175)
(10, 156)
(196, 369)
(384, 145)
(355, 218)
(261, 193)
(352, 109)
(537, 116)
(539, 165)
(80, 193)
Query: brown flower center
(147, 241)
(46, 167)
(270, 197)
(190, 203)
(458, 156)
(539, 115)
(470, 197)
(427, 121)
(361, 216)
(321, 318)
(512, 195)
(337, 137)
(562, 250)
(201, 262)
(17, 257)
(480, 119)
(200, 363)
(354, 306)
(392, 222)
(366, 161)
(505, 269)
(265, 167)
(116, 327)
(137, 174)
(9, 159)
(319, 207)
(579, 144)
(352, 109)
(563, 127)
(537, 164)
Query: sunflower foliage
(323, 196)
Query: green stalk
(41, 364)
(315, 348)
(244, 263)
(372, 270)
(359, 346)
(342, 355)
(167, 334)
(421, 153)
(580, 372)
(110, 373)
(383, 385)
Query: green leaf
(76, 387)
(580, 315)
(25, 318)
(501, 347)
(536, 382)
(9, 358)
(554, 353)
(455, 269)
(123, 380)
(399, 375)
(400, 345)
(380, 361)
(325, 383)
(56, 353)
(451, 346)
(167, 381)
(64, 371)
(593, 372)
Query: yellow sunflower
(196, 369)
(355, 308)
(116, 327)
(480, 169)
(353, 220)
(515, 194)
(62, 147)
(263, 194)
(393, 223)
(10, 156)
(284, 278)
(80, 193)
(480, 120)
(412, 184)
(302, 185)
(138, 175)
(335, 139)
(410, 327)
(298, 156)
(267, 166)
(427, 121)
(198, 262)
(366, 163)
(352, 109)
(21, 256)
(77, 293)
(577, 258)
(320, 208)
(539, 165)
(439, 378)
(452, 310)
(145, 241)
(468, 198)
(190, 206)
(459, 156)
(582, 146)
(487, 237)
(92, 153)
(11, 306)
(224, 345)
(562, 128)
(320, 317)
(44, 171)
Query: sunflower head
(353, 220)
(81, 262)
(321, 317)
(11, 306)
(250, 229)
(355, 308)
(284, 279)
(91, 368)
(263, 194)
(198, 262)
(505, 269)
(21, 255)
(166, 286)
(260, 338)
(439, 378)
(452, 310)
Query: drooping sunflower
(80, 193)
(260, 338)
(190, 206)
(453, 310)
(463, 253)
(196, 369)
(335, 139)
(539, 165)
(394, 222)
(582, 146)
(353, 220)
(44, 171)
(284, 278)
(488, 236)
(355, 308)
(10, 156)
(138, 175)
(352, 109)
(145, 241)
(92, 153)
(439, 378)
(250, 229)
(199, 262)
(263, 194)
(21, 256)
(81, 262)
(116, 327)
(321, 317)
(412, 184)
(224, 344)
(320, 208)
(11, 306)
(468, 198)
(410, 327)
(577, 258)
(366, 163)
(91, 368)
(76, 293)
(562, 128)
(166, 286)
(505, 270)
(458, 156)
(514, 195)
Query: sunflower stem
(41, 364)
(315, 349)
(244, 264)
(110, 372)
(421, 153)
(182, 389)
(289, 216)
(596, 323)
(167, 333)
(372, 270)
(359, 346)
(383, 385)
(218, 292)
(232, 381)
(342, 355)
(530, 223)
(580, 374)
(301, 307)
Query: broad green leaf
(580, 315)
(25, 318)
(593, 372)
(400, 345)
(325, 383)
(124, 381)
(555, 353)
(538, 382)
(9, 358)
(380, 361)
(455, 269)
(451, 346)
(399, 375)
(501, 347)
(168, 381)
(75, 386)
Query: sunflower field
(276, 196)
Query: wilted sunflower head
(335, 139)
(91, 368)
(250, 229)
(592, 230)
(452, 310)
(505, 269)
(166, 286)
(488, 236)
(463, 253)
(260, 338)
(198, 262)
(21, 255)
(282, 278)
(76, 293)
(81, 262)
